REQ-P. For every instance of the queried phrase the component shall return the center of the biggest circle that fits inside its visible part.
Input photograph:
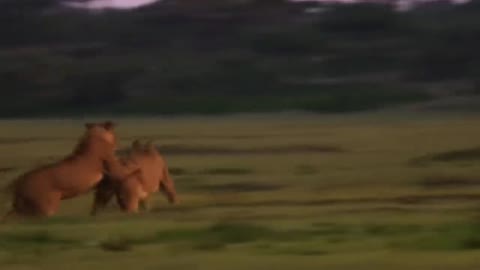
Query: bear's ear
(89, 125)
(109, 125)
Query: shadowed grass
(227, 171)
(7, 169)
(388, 229)
(31, 239)
(178, 149)
(448, 181)
(228, 233)
(443, 237)
(318, 239)
(234, 233)
(305, 169)
(458, 155)
(209, 245)
(56, 220)
(240, 187)
(296, 249)
(409, 236)
(460, 236)
(468, 154)
(116, 245)
(176, 171)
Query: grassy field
(285, 191)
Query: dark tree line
(225, 56)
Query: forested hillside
(176, 57)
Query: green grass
(458, 155)
(228, 171)
(283, 206)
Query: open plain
(284, 191)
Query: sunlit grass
(364, 207)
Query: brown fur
(38, 192)
(134, 190)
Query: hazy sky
(136, 3)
